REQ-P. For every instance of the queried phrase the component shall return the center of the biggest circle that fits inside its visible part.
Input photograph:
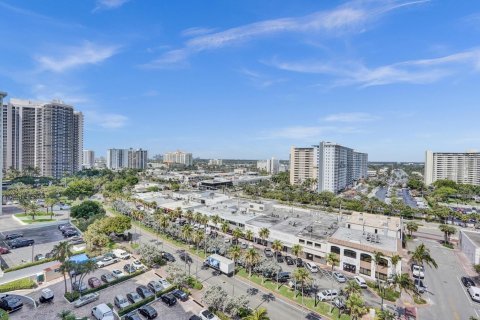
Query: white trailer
(221, 264)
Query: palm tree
(297, 250)
(395, 259)
(277, 246)
(198, 216)
(225, 227)
(66, 315)
(197, 237)
(447, 231)
(332, 259)
(61, 252)
(186, 232)
(163, 221)
(302, 276)
(403, 281)
(251, 258)
(351, 288)
(258, 314)
(264, 234)
(235, 252)
(356, 306)
(421, 255)
(216, 220)
(237, 233)
(412, 227)
(32, 206)
(189, 216)
(249, 235)
(377, 258)
(386, 315)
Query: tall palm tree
(216, 220)
(422, 256)
(277, 246)
(264, 233)
(297, 250)
(186, 232)
(332, 259)
(235, 252)
(237, 233)
(197, 237)
(163, 221)
(351, 288)
(258, 314)
(61, 252)
(377, 258)
(403, 281)
(447, 231)
(197, 217)
(302, 276)
(189, 216)
(252, 257)
(225, 227)
(395, 259)
(249, 235)
(356, 306)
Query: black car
(20, 243)
(168, 256)
(269, 274)
(280, 259)
(313, 316)
(169, 299)
(144, 292)
(12, 236)
(289, 260)
(133, 316)
(179, 294)
(68, 229)
(70, 233)
(186, 257)
(63, 226)
(194, 317)
(299, 262)
(10, 303)
(283, 277)
(467, 282)
(148, 312)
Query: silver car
(120, 301)
(86, 299)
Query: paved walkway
(27, 272)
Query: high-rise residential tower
(88, 159)
(271, 166)
(178, 157)
(303, 164)
(460, 167)
(2, 137)
(47, 136)
(118, 159)
(137, 159)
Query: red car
(4, 250)
(94, 282)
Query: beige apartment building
(459, 167)
(303, 164)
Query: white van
(360, 281)
(474, 293)
(121, 254)
(102, 312)
(311, 266)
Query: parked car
(129, 268)
(118, 273)
(164, 283)
(144, 292)
(269, 274)
(327, 295)
(420, 286)
(180, 295)
(185, 257)
(311, 266)
(47, 295)
(79, 286)
(361, 282)
(120, 301)
(70, 233)
(148, 312)
(299, 263)
(313, 316)
(169, 299)
(20, 243)
(62, 226)
(102, 312)
(121, 254)
(207, 315)
(280, 258)
(94, 282)
(168, 256)
(467, 282)
(155, 286)
(68, 229)
(138, 265)
(132, 316)
(107, 277)
(339, 303)
(283, 277)
(39, 257)
(134, 297)
(4, 250)
(418, 271)
(12, 236)
(106, 261)
(194, 317)
(86, 299)
(339, 277)
(474, 293)
(10, 303)
(268, 252)
(289, 260)
(244, 245)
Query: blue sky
(248, 79)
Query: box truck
(221, 264)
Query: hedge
(25, 283)
(36, 263)
(139, 304)
(72, 297)
(3, 315)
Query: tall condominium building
(215, 162)
(118, 159)
(303, 164)
(271, 166)
(2, 95)
(459, 167)
(178, 157)
(88, 159)
(43, 135)
(333, 166)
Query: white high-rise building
(271, 166)
(215, 162)
(360, 165)
(178, 157)
(2, 95)
(88, 159)
(460, 167)
(47, 136)
(137, 159)
(118, 159)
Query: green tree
(264, 233)
(61, 252)
(249, 235)
(356, 306)
(79, 189)
(186, 232)
(422, 256)
(66, 315)
(87, 209)
(332, 259)
(116, 224)
(395, 259)
(351, 288)
(277, 246)
(237, 233)
(216, 220)
(225, 227)
(235, 252)
(412, 227)
(303, 277)
(197, 237)
(252, 257)
(297, 250)
(258, 314)
(447, 231)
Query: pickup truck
(106, 262)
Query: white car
(120, 301)
(138, 265)
(360, 281)
(339, 277)
(106, 262)
(102, 312)
(207, 315)
(118, 273)
(418, 271)
(311, 266)
(327, 295)
(86, 299)
(165, 284)
(121, 254)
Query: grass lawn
(25, 283)
(39, 217)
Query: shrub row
(27, 265)
(25, 283)
(139, 304)
(3, 315)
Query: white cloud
(196, 31)
(169, 59)
(109, 4)
(72, 57)
(420, 71)
(350, 117)
(105, 120)
(260, 80)
(350, 17)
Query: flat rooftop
(358, 240)
(374, 220)
(474, 236)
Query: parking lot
(180, 311)
(45, 237)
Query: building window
(365, 271)
(301, 241)
(365, 257)
(349, 253)
(381, 276)
(318, 245)
(335, 249)
(309, 243)
(383, 263)
(348, 226)
(376, 231)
